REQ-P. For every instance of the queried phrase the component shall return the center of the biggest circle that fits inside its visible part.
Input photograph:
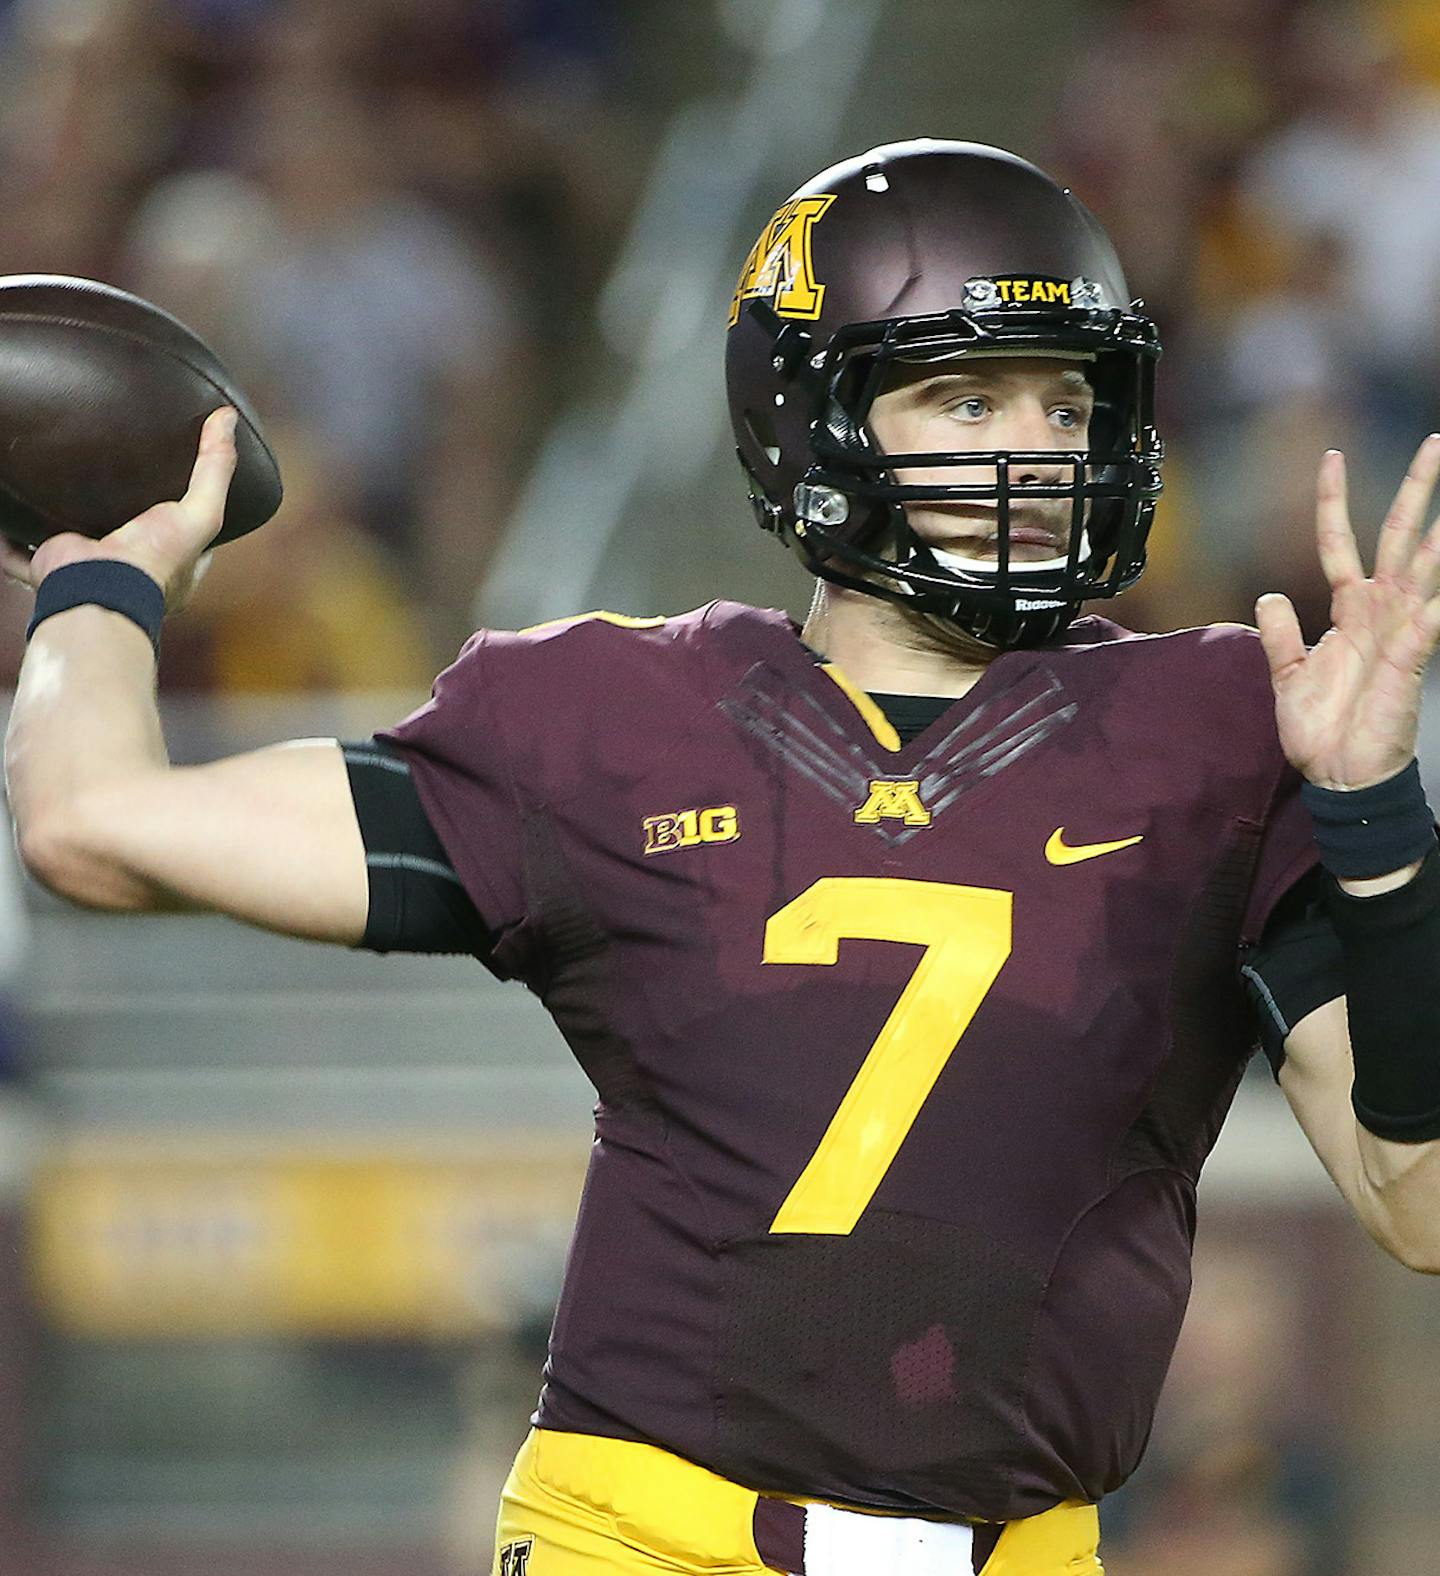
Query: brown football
(102, 397)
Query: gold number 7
(966, 933)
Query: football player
(915, 954)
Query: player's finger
(1339, 557)
(1417, 640)
(1406, 514)
(1430, 619)
(1280, 635)
(1423, 572)
(204, 498)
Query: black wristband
(1390, 959)
(102, 582)
(1364, 832)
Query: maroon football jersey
(907, 1059)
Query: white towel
(849, 1543)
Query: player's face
(1032, 403)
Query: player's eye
(974, 407)
(1070, 417)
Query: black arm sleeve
(1383, 955)
(1391, 947)
(417, 902)
(1295, 967)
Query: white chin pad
(1018, 567)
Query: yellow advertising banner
(140, 1238)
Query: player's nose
(1033, 434)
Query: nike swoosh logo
(1059, 852)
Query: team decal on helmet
(1028, 290)
(779, 268)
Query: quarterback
(915, 954)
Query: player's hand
(168, 541)
(1349, 710)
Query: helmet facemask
(850, 520)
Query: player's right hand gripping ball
(102, 397)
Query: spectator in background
(1294, 264)
(367, 315)
(502, 115)
(1275, 389)
(194, 237)
(1415, 27)
(1243, 1471)
(1358, 164)
(85, 119)
(1168, 94)
(309, 603)
(1165, 101)
(360, 203)
(1321, 312)
(359, 280)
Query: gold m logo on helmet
(898, 801)
(779, 266)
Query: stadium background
(282, 1225)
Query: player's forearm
(1402, 1182)
(84, 720)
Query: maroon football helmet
(921, 251)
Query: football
(102, 397)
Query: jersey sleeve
(463, 767)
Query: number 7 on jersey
(966, 933)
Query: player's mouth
(1026, 547)
(1030, 542)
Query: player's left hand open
(1348, 711)
(167, 541)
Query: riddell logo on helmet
(779, 266)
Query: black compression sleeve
(417, 902)
(1390, 948)
(1295, 967)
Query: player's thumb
(204, 502)
(1280, 635)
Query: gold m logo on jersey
(779, 266)
(689, 828)
(515, 1557)
(893, 801)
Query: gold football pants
(581, 1505)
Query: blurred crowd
(1248, 1469)
(1268, 170)
(382, 215)
(391, 219)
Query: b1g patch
(780, 268)
(515, 1556)
(720, 823)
